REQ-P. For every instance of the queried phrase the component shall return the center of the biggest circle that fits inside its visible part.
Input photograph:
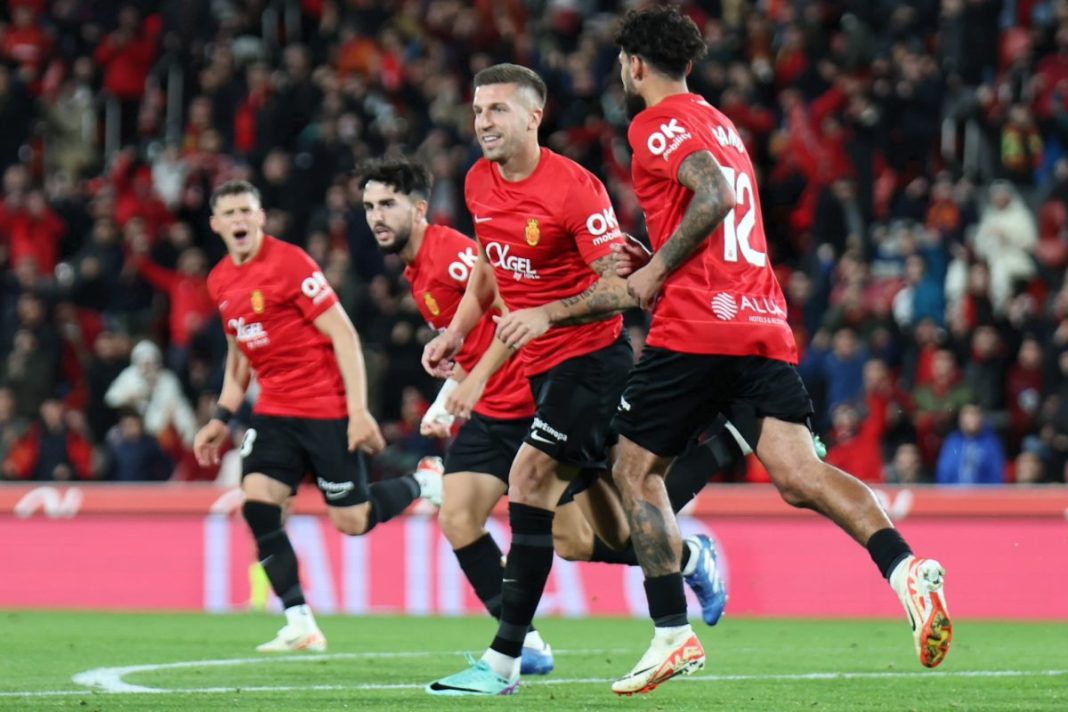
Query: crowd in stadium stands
(912, 158)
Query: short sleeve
(661, 143)
(590, 218)
(306, 284)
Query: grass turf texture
(752, 665)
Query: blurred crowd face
(971, 419)
(238, 220)
(1029, 468)
(391, 215)
(907, 463)
(506, 120)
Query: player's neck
(658, 91)
(522, 164)
(415, 242)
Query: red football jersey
(268, 304)
(541, 235)
(438, 277)
(725, 299)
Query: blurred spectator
(190, 306)
(1005, 239)
(134, 454)
(1023, 390)
(937, 404)
(156, 394)
(906, 467)
(126, 57)
(972, 455)
(1030, 470)
(12, 426)
(55, 448)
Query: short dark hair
(234, 187)
(513, 74)
(663, 37)
(404, 175)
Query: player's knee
(797, 484)
(351, 522)
(459, 526)
(263, 518)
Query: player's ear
(536, 115)
(421, 208)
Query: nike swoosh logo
(479, 221)
(535, 435)
(508, 580)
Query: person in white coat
(154, 392)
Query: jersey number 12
(736, 232)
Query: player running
(440, 264)
(719, 343)
(546, 227)
(283, 322)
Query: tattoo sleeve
(713, 198)
(601, 300)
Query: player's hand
(461, 402)
(518, 328)
(207, 442)
(645, 285)
(629, 256)
(439, 352)
(364, 433)
(434, 429)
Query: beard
(400, 241)
(634, 102)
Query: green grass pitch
(203, 662)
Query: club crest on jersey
(533, 232)
(259, 304)
(431, 303)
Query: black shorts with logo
(575, 401)
(670, 397)
(486, 445)
(285, 448)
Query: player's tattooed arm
(712, 200)
(604, 298)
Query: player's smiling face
(239, 219)
(390, 215)
(505, 118)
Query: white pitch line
(109, 680)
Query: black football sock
(529, 561)
(887, 548)
(391, 497)
(275, 551)
(481, 564)
(667, 600)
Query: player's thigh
(271, 460)
(575, 402)
(486, 445)
(786, 450)
(538, 480)
(340, 475)
(668, 399)
(767, 389)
